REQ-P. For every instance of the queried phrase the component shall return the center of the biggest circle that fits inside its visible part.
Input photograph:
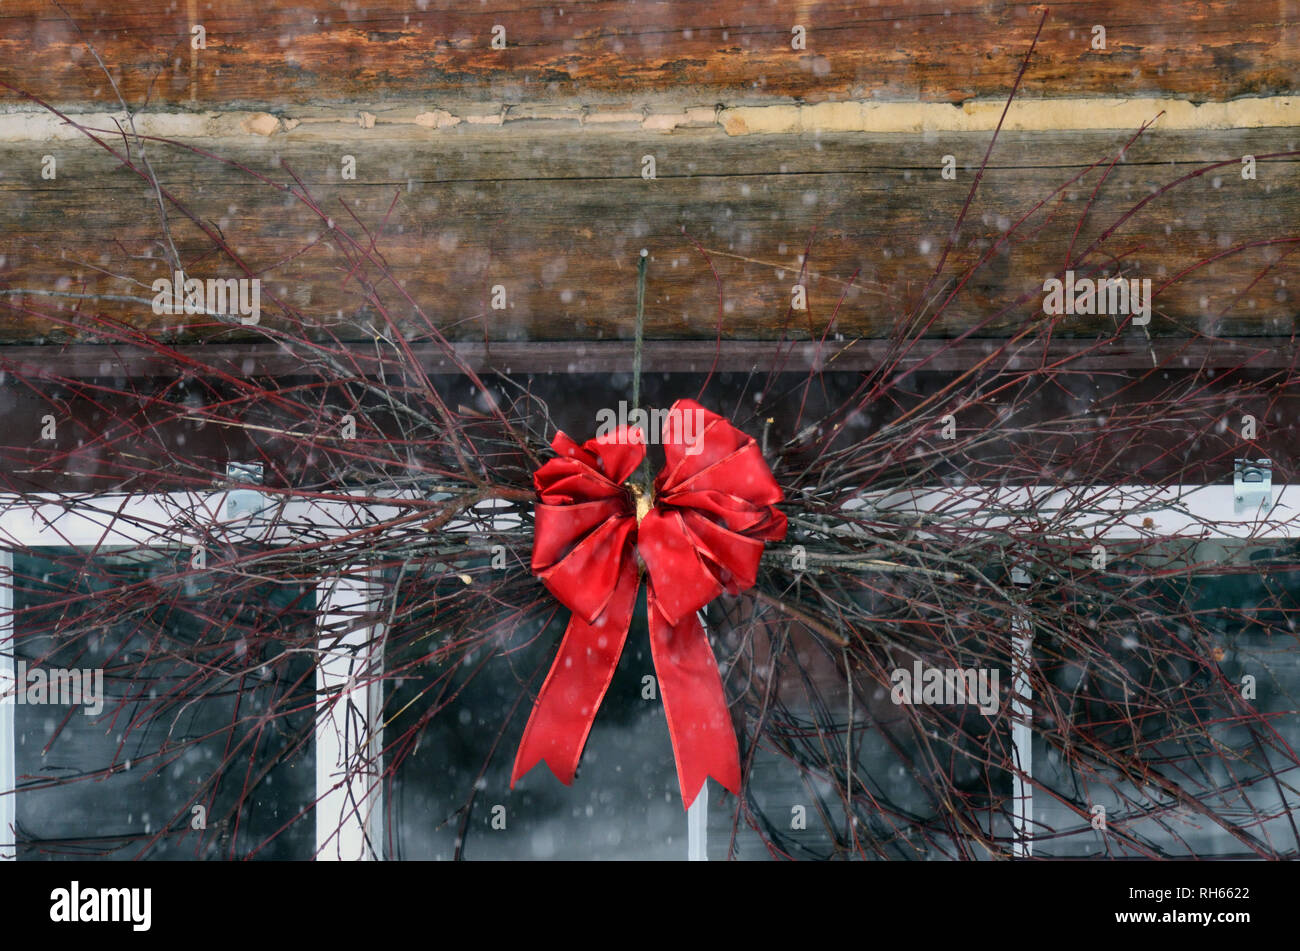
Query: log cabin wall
(507, 165)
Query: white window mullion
(697, 816)
(349, 807)
(1022, 736)
(697, 827)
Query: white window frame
(349, 810)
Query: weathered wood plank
(270, 54)
(559, 221)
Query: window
(235, 714)
(370, 740)
(1207, 772)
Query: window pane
(202, 706)
(460, 688)
(1200, 760)
(924, 780)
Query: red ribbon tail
(699, 724)
(584, 666)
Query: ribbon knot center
(644, 499)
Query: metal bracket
(1252, 485)
(244, 502)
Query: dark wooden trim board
(660, 356)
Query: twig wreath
(832, 529)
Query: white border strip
(1145, 512)
(8, 724)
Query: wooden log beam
(269, 54)
(557, 222)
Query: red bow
(713, 509)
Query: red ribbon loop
(713, 510)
